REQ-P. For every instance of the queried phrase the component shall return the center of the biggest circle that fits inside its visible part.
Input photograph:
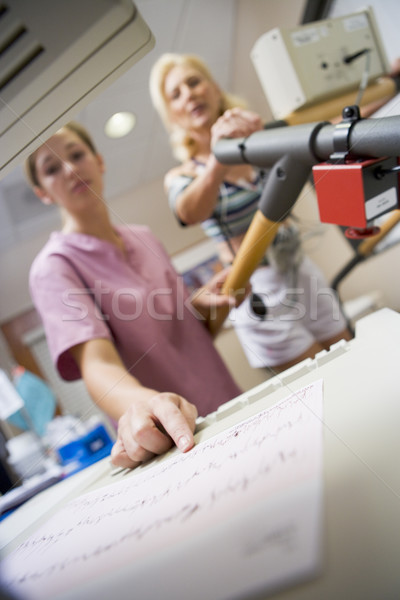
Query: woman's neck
(97, 224)
(202, 139)
(103, 230)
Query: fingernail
(184, 443)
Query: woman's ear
(42, 195)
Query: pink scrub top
(85, 288)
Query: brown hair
(183, 145)
(75, 127)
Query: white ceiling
(205, 27)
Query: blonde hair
(183, 145)
(30, 162)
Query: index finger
(178, 421)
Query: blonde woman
(296, 313)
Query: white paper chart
(240, 512)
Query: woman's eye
(78, 155)
(193, 82)
(51, 169)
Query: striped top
(235, 208)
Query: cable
(365, 75)
(364, 78)
(256, 302)
(380, 173)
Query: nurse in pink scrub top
(115, 312)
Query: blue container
(86, 450)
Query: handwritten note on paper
(238, 513)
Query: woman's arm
(207, 299)
(149, 422)
(197, 201)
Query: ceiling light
(120, 124)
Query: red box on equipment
(354, 193)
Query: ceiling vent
(56, 56)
